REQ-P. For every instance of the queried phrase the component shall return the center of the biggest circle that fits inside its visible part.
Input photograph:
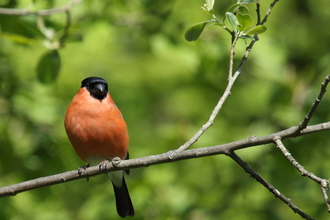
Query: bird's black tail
(123, 200)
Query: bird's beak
(100, 89)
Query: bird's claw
(116, 161)
(82, 169)
(103, 165)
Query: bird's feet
(82, 169)
(116, 161)
(103, 165)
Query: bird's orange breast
(96, 128)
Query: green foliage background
(166, 89)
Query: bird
(98, 132)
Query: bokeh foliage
(166, 88)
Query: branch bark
(168, 157)
(45, 12)
(269, 186)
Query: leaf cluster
(237, 22)
(37, 30)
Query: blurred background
(166, 89)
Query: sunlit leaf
(233, 8)
(237, 8)
(257, 30)
(210, 4)
(243, 9)
(244, 20)
(232, 20)
(48, 67)
(195, 31)
(246, 37)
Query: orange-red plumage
(98, 132)
(106, 136)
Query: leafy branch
(237, 17)
(42, 12)
(194, 32)
(48, 67)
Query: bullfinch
(98, 132)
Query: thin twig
(258, 12)
(227, 91)
(220, 102)
(168, 157)
(268, 186)
(318, 99)
(324, 188)
(232, 53)
(66, 29)
(45, 12)
(323, 182)
(269, 11)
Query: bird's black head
(97, 87)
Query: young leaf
(210, 4)
(237, 8)
(257, 30)
(232, 20)
(245, 21)
(48, 67)
(195, 31)
(233, 8)
(246, 37)
(243, 9)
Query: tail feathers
(123, 200)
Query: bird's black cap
(97, 87)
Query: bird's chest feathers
(98, 121)
(98, 131)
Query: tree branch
(223, 98)
(324, 183)
(45, 12)
(318, 99)
(258, 13)
(269, 11)
(269, 186)
(168, 157)
(66, 29)
(231, 81)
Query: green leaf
(243, 9)
(28, 23)
(48, 67)
(237, 8)
(257, 30)
(233, 8)
(246, 37)
(246, 1)
(19, 39)
(232, 20)
(210, 4)
(244, 20)
(195, 31)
